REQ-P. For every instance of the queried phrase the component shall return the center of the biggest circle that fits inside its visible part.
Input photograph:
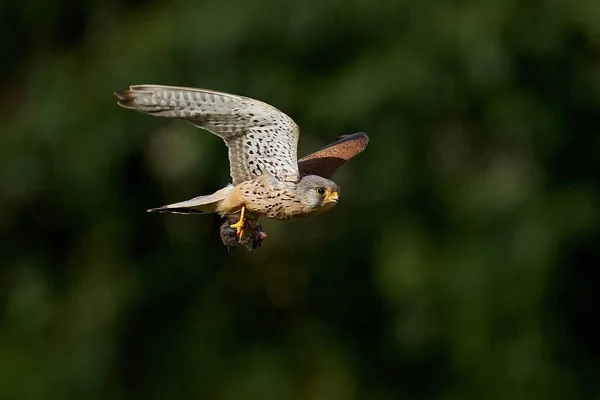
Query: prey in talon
(251, 239)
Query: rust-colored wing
(326, 161)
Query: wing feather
(328, 159)
(260, 138)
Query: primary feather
(260, 138)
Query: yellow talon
(239, 226)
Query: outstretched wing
(327, 160)
(260, 138)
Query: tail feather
(197, 205)
(175, 210)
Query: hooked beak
(334, 197)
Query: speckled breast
(276, 201)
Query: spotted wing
(260, 138)
(327, 160)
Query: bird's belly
(274, 210)
(273, 202)
(282, 214)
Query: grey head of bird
(318, 194)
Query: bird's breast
(277, 200)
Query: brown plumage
(328, 159)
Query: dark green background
(462, 262)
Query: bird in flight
(323, 162)
(267, 178)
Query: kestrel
(323, 162)
(262, 142)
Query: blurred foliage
(462, 262)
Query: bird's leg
(239, 226)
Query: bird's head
(318, 194)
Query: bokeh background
(462, 263)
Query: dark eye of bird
(321, 190)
